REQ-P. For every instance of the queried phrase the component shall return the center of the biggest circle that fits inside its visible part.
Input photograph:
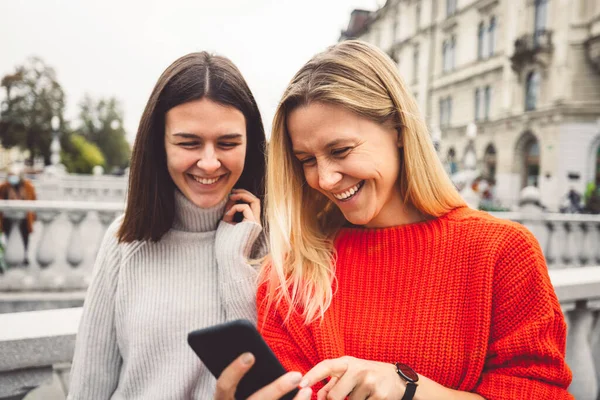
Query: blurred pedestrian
(17, 187)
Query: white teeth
(205, 181)
(348, 193)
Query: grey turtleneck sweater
(146, 297)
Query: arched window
(487, 102)
(480, 40)
(531, 163)
(532, 88)
(492, 36)
(541, 9)
(489, 163)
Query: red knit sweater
(464, 299)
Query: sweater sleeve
(97, 360)
(234, 245)
(526, 352)
(290, 340)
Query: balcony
(532, 48)
(36, 345)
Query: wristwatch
(411, 378)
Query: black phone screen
(219, 345)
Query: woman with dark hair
(177, 261)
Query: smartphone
(219, 345)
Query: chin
(358, 219)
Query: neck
(191, 218)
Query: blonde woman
(381, 281)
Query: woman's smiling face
(352, 160)
(205, 144)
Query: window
(492, 36)
(395, 24)
(489, 163)
(416, 63)
(531, 162)
(532, 87)
(418, 16)
(453, 52)
(442, 112)
(450, 7)
(480, 39)
(445, 111)
(477, 102)
(445, 49)
(541, 9)
(488, 100)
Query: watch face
(407, 372)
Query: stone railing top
(573, 284)
(546, 216)
(37, 338)
(53, 205)
(37, 324)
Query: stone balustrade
(37, 347)
(567, 240)
(61, 252)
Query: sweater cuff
(238, 239)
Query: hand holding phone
(219, 346)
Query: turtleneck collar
(191, 218)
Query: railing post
(579, 353)
(75, 247)
(15, 247)
(46, 249)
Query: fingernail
(303, 383)
(305, 393)
(294, 377)
(247, 358)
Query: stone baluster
(75, 249)
(595, 337)
(597, 240)
(579, 353)
(587, 244)
(76, 279)
(557, 243)
(46, 254)
(568, 256)
(14, 255)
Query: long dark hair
(150, 204)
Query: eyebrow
(329, 145)
(185, 135)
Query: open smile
(207, 181)
(349, 193)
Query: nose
(208, 161)
(328, 177)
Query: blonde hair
(302, 222)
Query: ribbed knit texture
(464, 299)
(146, 297)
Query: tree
(81, 156)
(102, 124)
(32, 97)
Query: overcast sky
(120, 47)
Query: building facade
(525, 74)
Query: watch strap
(409, 393)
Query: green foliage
(81, 156)
(32, 97)
(102, 124)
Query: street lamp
(55, 145)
